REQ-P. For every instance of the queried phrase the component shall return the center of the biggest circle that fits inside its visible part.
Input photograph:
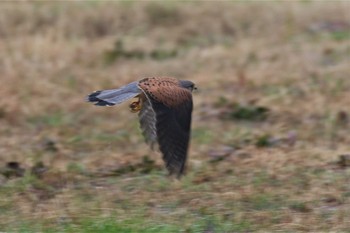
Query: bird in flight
(164, 107)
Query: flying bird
(164, 107)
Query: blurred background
(270, 133)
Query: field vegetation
(271, 130)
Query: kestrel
(164, 107)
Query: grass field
(270, 132)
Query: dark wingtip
(98, 102)
(176, 172)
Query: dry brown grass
(292, 58)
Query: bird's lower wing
(114, 96)
(148, 123)
(173, 133)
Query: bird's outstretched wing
(172, 106)
(147, 119)
(114, 96)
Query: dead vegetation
(270, 138)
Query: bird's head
(188, 85)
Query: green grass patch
(202, 135)
(137, 224)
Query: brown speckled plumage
(165, 109)
(165, 90)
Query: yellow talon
(135, 106)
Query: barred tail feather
(114, 96)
